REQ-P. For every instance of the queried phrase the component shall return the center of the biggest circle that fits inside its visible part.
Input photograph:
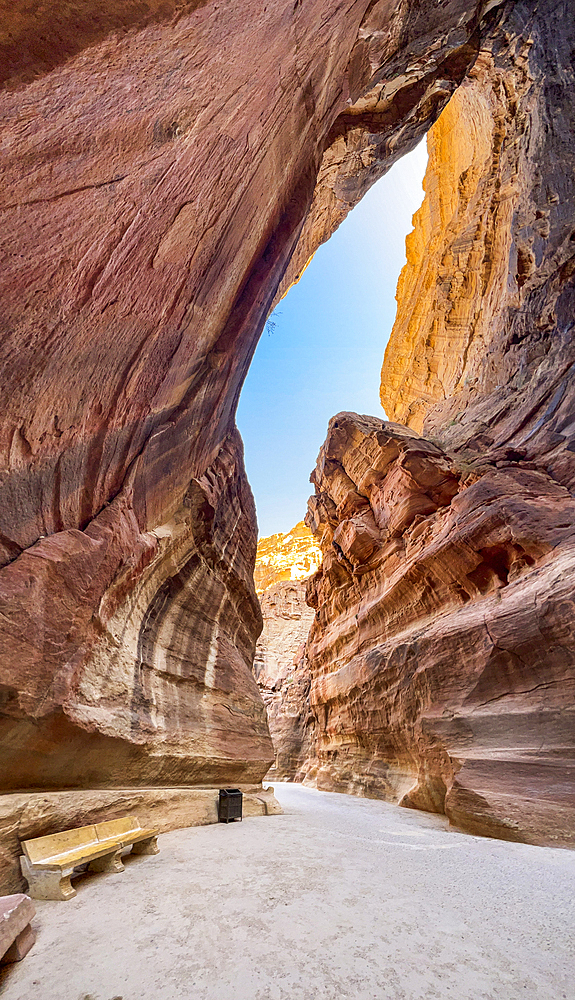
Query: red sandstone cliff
(166, 166)
(281, 672)
(159, 162)
(440, 657)
(283, 564)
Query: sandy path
(339, 898)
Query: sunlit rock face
(441, 656)
(281, 672)
(159, 162)
(294, 555)
(482, 348)
(441, 659)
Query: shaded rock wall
(134, 672)
(441, 655)
(282, 675)
(158, 164)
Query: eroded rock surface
(130, 651)
(481, 355)
(158, 165)
(167, 169)
(281, 671)
(441, 655)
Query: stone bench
(16, 934)
(48, 863)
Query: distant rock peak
(293, 555)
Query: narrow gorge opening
(211, 153)
(428, 527)
(167, 174)
(322, 348)
(321, 352)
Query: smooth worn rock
(159, 163)
(130, 676)
(440, 659)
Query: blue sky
(324, 349)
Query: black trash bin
(229, 805)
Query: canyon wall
(441, 654)
(161, 162)
(441, 659)
(168, 168)
(282, 674)
(284, 562)
(481, 353)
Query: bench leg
(47, 885)
(149, 846)
(109, 863)
(20, 946)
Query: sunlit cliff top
(291, 556)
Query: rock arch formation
(167, 171)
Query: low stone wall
(24, 815)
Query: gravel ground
(338, 898)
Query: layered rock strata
(441, 655)
(159, 162)
(281, 672)
(131, 651)
(143, 248)
(213, 147)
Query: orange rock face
(286, 556)
(440, 660)
(481, 353)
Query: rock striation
(481, 355)
(160, 164)
(282, 675)
(167, 170)
(440, 657)
(135, 673)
